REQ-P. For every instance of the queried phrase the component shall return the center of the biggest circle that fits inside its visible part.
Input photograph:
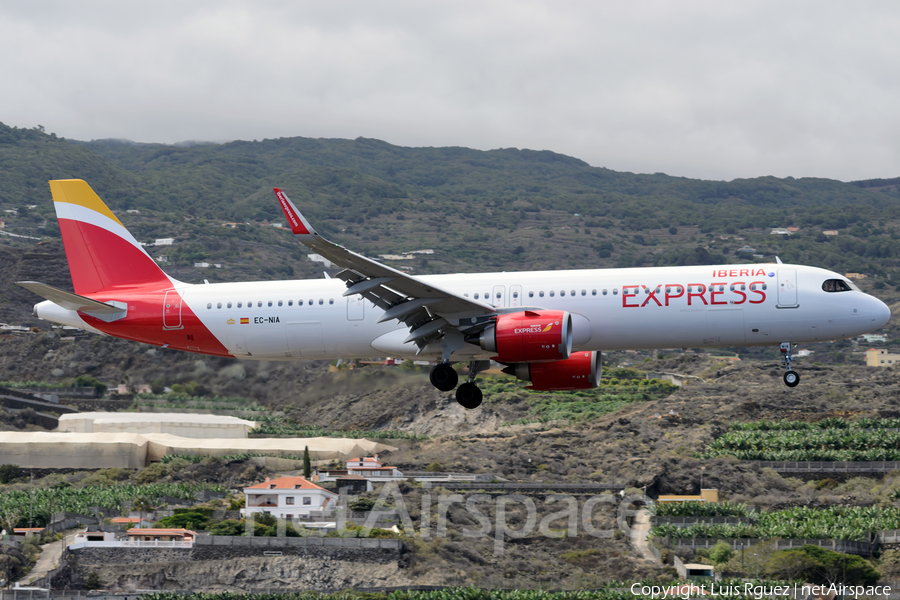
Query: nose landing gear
(791, 377)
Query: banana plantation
(856, 523)
(37, 504)
(808, 444)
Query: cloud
(695, 88)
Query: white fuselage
(666, 307)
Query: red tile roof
(160, 532)
(286, 483)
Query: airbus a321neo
(547, 327)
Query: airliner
(545, 327)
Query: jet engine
(529, 336)
(580, 371)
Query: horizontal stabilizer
(68, 300)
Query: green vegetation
(578, 406)
(446, 594)
(10, 473)
(855, 523)
(43, 501)
(823, 567)
(186, 520)
(700, 509)
(847, 444)
(278, 425)
(829, 423)
(198, 458)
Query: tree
(362, 505)
(9, 519)
(825, 567)
(720, 553)
(228, 527)
(187, 520)
(9, 473)
(307, 468)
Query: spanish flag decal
(245, 321)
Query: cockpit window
(837, 285)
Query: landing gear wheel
(791, 378)
(469, 395)
(443, 377)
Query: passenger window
(331, 301)
(615, 291)
(279, 303)
(209, 305)
(531, 294)
(270, 303)
(466, 294)
(240, 304)
(310, 301)
(541, 294)
(476, 295)
(604, 292)
(572, 293)
(584, 292)
(259, 304)
(498, 295)
(552, 293)
(229, 305)
(562, 292)
(218, 305)
(515, 294)
(594, 292)
(290, 302)
(321, 302)
(835, 285)
(764, 286)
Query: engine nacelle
(529, 336)
(581, 371)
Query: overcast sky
(708, 89)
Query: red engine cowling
(529, 336)
(581, 371)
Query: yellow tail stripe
(76, 191)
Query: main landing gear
(445, 378)
(791, 377)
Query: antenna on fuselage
(778, 261)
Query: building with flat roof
(705, 496)
(879, 357)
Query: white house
(287, 497)
(164, 241)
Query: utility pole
(31, 498)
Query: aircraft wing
(428, 310)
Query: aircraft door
(498, 296)
(172, 310)
(787, 288)
(356, 308)
(515, 295)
